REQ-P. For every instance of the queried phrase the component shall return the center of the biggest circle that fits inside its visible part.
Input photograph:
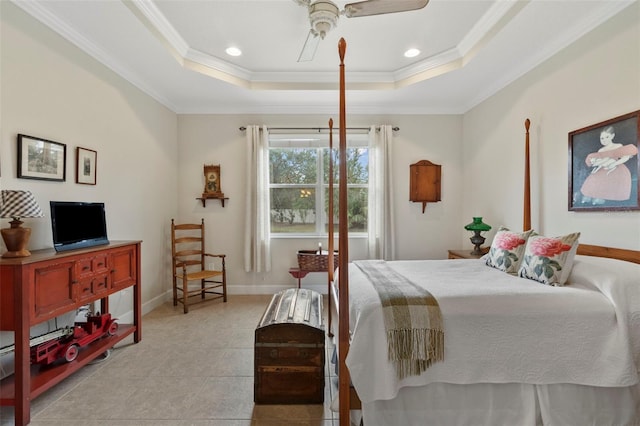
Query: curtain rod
(319, 129)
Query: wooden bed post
(330, 230)
(343, 254)
(526, 222)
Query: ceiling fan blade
(309, 48)
(379, 7)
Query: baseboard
(270, 289)
(127, 317)
(155, 302)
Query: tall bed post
(526, 221)
(343, 256)
(331, 266)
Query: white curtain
(381, 224)
(257, 246)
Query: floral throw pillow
(507, 249)
(549, 259)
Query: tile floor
(194, 369)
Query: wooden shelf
(204, 200)
(44, 377)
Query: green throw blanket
(412, 319)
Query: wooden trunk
(289, 350)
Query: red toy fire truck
(69, 345)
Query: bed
(515, 351)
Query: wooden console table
(48, 284)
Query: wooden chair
(188, 258)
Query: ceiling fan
(323, 16)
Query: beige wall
(216, 139)
(52, 90)
(595, 79)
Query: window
(298, 183)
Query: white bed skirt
(443, 404)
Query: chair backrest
(187, 244)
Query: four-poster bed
(515, 349)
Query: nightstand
(466, 254)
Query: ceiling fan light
(322, 28)
(411, 53)
(323, 16)
(233, 51)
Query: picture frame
(41, 159)
(604, 166)
(212, 182)
(86, 163)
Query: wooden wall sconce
(212, 181)
(424, 183)
(212, 188)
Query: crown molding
(155, 20)
(490, 24)
(42, 14)
(328, 110)
(597, 18)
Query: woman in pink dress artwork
(610, 179)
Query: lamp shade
(16, 204)
(477, 225)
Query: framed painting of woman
(603, 165)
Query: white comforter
(504, 329)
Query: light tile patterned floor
(194, 369)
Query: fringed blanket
(412, 318)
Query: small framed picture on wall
(86, 162)
(41, 159)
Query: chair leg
(202, 293)
(175, 291)
(185, 295)
(224, 285)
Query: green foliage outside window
(295, 189)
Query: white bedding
(507, 404)
(504, 329)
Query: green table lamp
(477, 226)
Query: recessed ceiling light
(233, 51)
(411, 53)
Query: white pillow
(507, 249)
(549, 259)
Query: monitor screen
(78, 224)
